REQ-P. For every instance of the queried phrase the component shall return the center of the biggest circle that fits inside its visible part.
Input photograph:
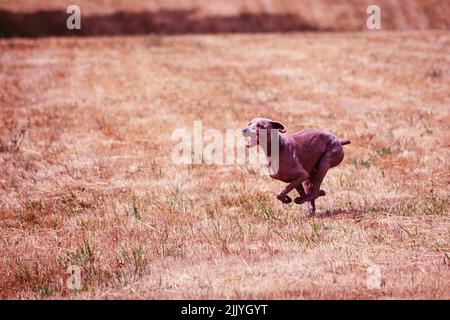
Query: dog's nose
(244, 131)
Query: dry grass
(86, 177)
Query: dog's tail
(344, 142)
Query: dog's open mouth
(252, 140)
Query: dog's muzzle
(253, 135)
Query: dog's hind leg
(312, 203)
(302, 193)
(332, 157)
(312, 207)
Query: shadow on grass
(168, 22)
(351, 213)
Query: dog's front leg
(309, 197)
(283, 195)
(301, 190)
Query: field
(86, 177)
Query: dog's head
(253, 130)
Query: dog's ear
(278, 125)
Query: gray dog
(304, 158)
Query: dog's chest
(282, 176)
(281, 170)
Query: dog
(304, 158)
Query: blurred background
(30, 18)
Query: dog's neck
(267, 148)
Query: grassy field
(86, 177)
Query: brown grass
(86, 177)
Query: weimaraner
(304, 158)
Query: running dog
(304, 158)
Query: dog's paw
(284, 199)
(300, 200)
(309, 197)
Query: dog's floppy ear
(278, 125)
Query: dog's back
(310, 145)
